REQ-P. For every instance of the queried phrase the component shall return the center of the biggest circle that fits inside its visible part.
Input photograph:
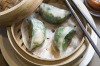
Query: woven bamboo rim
(36, 61)
(69, 61)
(15, 29)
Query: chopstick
(82, 27)
(88, 19)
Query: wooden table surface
(2, 61)
(94, 62)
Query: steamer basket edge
(16, 48)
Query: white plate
(90, 51)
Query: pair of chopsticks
(88, 19)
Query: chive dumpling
(53, 14)
(63, 37)
(34, 36)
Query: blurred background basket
(12, 11)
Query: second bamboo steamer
(16, 12)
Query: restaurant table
(94, 62)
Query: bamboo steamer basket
(18, 11)
(22, 54)
(13, 47)
(19, 47)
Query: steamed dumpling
(63, 37)
(53, 14)
(33, 33)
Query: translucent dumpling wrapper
(53, 14)
(33, 33)
(63, 37)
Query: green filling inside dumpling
(63, 37)
(68, 39)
